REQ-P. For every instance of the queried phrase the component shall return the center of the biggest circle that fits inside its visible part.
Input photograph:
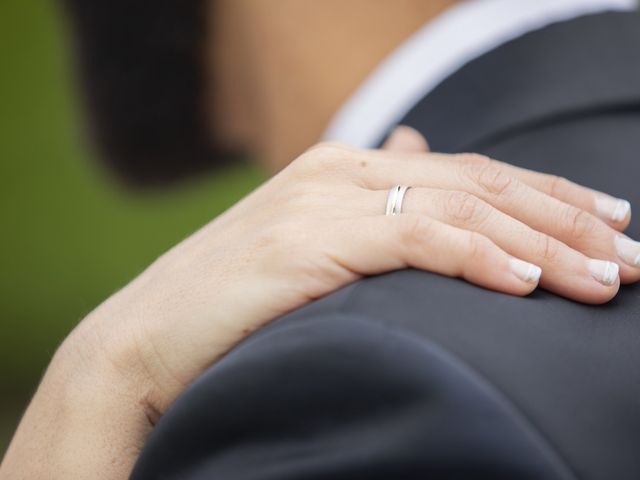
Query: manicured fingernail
(604, 272)
(628, 250)
(527, 272)
(611, 208)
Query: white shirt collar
(462, 33)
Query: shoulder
(337, 392)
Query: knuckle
(578, 223)
(474, 159)
(557, 185)
(465, 207)
(490, 178)
(328, 146)
(413, 229)
(545, 247)
(322, 157)
(477, 247)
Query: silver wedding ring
(395, 198)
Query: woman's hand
(320, 224)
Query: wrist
(101, 359)
(85, 417)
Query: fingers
(488, 181)
(615, 212)
(381, 243)
(585, 257)
(406, 139)
(571, 225)
(566, 271)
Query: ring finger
(567, 223)
(566, 271)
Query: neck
(282, 69)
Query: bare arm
(315, 227)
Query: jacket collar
(584, 65)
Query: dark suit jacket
(412, 375)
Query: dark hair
(143, 68)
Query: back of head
(143, 72)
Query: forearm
(312, 229)
(85, 421)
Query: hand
(320, 224)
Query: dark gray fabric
(412, 375)
(338, 395)
(566, 71)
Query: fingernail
(611, 208)
(603, 271)
(527, 272)
(628, 250)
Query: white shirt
(462, 33)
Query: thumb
(406, 139)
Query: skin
(282, 69)
(314, 227)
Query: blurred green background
(69, 235)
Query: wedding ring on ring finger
(395, 199)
